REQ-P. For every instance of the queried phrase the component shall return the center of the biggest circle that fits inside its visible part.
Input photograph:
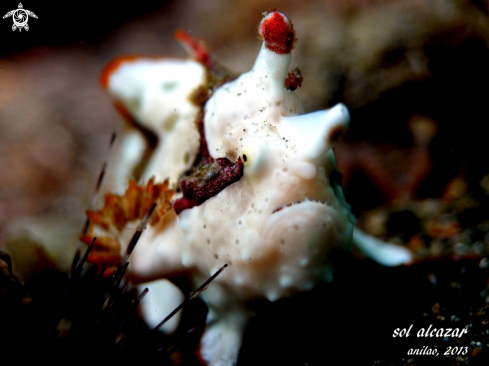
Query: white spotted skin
(287, 161)
(276, 226)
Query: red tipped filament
(277, 32)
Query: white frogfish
(241, 176)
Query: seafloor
(414, 75)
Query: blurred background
(414, 75)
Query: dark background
(414, 76)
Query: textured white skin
(288, 161)
(156, 93)
(271, 254)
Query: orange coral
(118, 210)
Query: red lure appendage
(278, 33)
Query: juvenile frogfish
(240, 176)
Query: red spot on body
(208, 176)
(294, 79)
(277, 32)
